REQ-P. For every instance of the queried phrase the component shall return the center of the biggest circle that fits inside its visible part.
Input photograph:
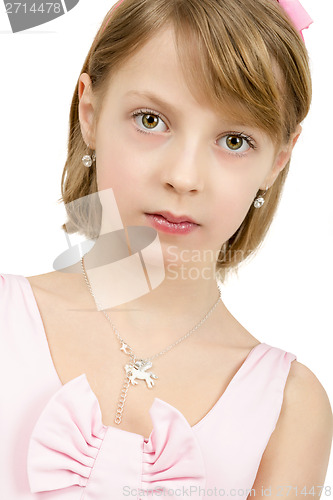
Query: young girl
(137, 380)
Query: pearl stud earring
(88, 160)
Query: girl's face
(169, 152)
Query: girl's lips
(162, 224)
(175, 218)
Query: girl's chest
(192, 380)
(192, 376)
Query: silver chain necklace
(137, 367)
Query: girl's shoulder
(302, 436)
(12, 287)
(57, 285)
(305, 394)
(50, 282)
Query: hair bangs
(230, 74)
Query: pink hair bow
(297, 14)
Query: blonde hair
(246, 52)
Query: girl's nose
(185, 168)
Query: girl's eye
(149, 120)
(237, 143)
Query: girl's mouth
(162, 224)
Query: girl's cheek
(118, 170)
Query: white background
(283, 296)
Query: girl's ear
(86, 109)
(282, 157)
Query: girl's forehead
(169, 61)
(159, 53)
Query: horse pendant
(138, 371)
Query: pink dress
(54, 445)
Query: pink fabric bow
(297, 14)
(70, 448)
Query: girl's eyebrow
(162, 103)
(152, 97)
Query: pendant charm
(138, 371)
(124, 347)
